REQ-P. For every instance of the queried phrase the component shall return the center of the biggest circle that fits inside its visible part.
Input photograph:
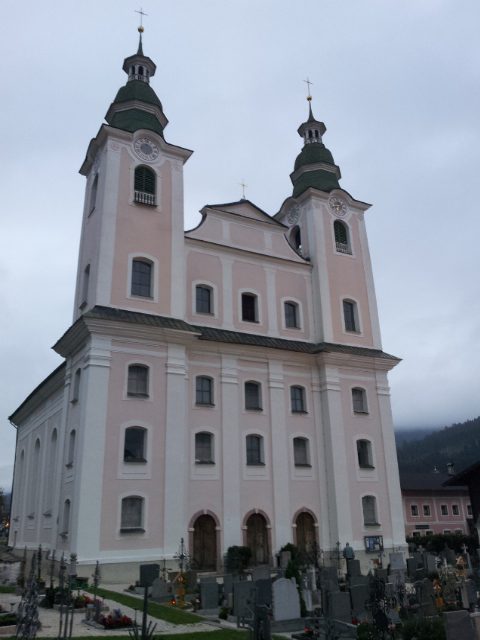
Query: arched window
(297, 399)
(292, 320)
(350, 316)
(135, 444)
(301, 452)
(142, 278)
(204, 448)
(249, 307)
(145, 185)
(364, 454)
(253, 396)
(50, 483)
(359, 400)
(342, 239)
(203, 299)
(76, 385)
(137, 385)
(204, 390)
(65, 518)
(369, 508)
(255, 455)
(71, 448)
(132, 514)
(93, 195)
(296, 238)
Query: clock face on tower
(337, 206)
(145, 149)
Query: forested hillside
(459, 443)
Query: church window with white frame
(132, 514)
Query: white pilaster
(372, 300)
(232, 526)
(86, 512)
(174, 516)
(282, 529)
(272, 301)
(227, 279)
(177, 301)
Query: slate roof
(110, 313)
(430, 481)
(466, 476)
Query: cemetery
(424, 596)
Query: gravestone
(161, 590)
(261, 573)
(459, 626)
(285, 557)
(359, 596)
(431, 563)
(190, 580)
(286, 601)
(356, 581)
(396, 561)
(208, 579)
(420, 574)
(449, 555)
(148, 574)
(208, 595)
(339, 606)
(469, 594)
(381, 574)
(263, 592)
(227, 584)
(307, 599)
(425, 597)
(243, 598)
(411, 567)
(353, 568)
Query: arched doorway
(205, 543)
(306, 539)
(257, 539)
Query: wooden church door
(257, 539)
(205, 543)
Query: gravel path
(50, 619)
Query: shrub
(237, 559)
(423, 629)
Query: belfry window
(350, 316)
(137, 383)
(291, 315)
(134, 446)
(249, 307)
(145, 186)
(342, 241)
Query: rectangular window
(254, 450)
(203, 299)
(134, 449)
(416, 534)
(444, 510)
(469, 510)
(132, 514)
(141, 278)
(249, 307)
(300, 452)
(414, 510)
(364, 454)
(291, 315)
(253, 400)
(455, 510)
(137, 385)
(203, 448)
(297, 399)
(426, 510)
(369, 510)
(359, 400)
(349, 315)
(204, 390)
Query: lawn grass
(161, 611)
(221, 634)
(5, 589)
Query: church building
(225, 385)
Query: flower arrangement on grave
(81, 601)
(115, 620)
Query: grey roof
(110, 313)
(467, 476)
(430, 481)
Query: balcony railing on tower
(144, 198)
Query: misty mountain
(422, 450)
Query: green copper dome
(137, 90)
(314, 167)
(313, 153)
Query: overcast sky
(397, 84)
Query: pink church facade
(225, 385)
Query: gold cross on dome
(308, 82)
(142, 13)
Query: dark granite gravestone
(243, 598)
(261, 573)
(263, 592)
(411, 567)
(356, 581)
(448, 555)
(339, 606)
(227, 584)
(209, 595)
(381, 574)
(425, 597)
(353, 568)
(469, 594)
(459, 626)
(431, 563)
(359, 596)
(190, 580)
(148, 573)
(420, 574)
(285, 600)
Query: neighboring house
(226, 385)
(431, 507)
(469, 478)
